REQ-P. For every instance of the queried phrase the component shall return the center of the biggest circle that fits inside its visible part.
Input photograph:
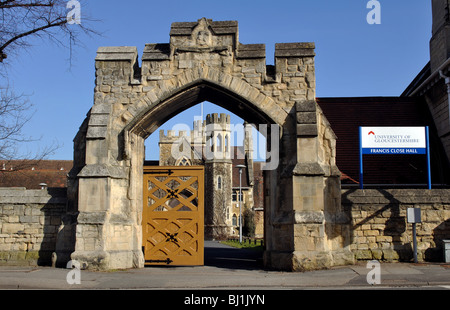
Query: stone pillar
(108, 229)
(306, 180)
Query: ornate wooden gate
(173, 216)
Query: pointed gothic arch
(131, 101)
(183, 161)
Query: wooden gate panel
(173, 215)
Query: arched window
(219, 182)
(183, 161)
(234, 220)
(226, 143)
(211, 143)
(219, 143)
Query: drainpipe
(447, 82)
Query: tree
(20, 22)
(56, 20)
(248, 229)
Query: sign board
(413, 215)
(393, 140)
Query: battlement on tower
(220, 122)
(172, 135)
(215, 118)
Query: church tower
(218, 175)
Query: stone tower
(440, 40)
(218, 175)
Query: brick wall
(379, 228)
(29, 223)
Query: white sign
(393, 140)
(413, 215)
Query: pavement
(228, 268)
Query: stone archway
(205, 61)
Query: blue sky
(353, 58)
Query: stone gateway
(204, 61)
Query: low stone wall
(379, 228)
(29, 224)
(31, 221)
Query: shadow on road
(224, 256)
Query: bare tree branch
(21, 20)
(24, 34)
(15, 112)
(14, 4)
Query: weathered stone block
(305, 49)
(97, 132)
(363, 254)
(306, 117)
(306, 130)
(309, 217)
(12, 228)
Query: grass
(244, 245)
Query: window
(234, 220)
(183, 161)
(226, 143)
(235, 194)
(219, 143)
(211, 142)
(219, 182)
